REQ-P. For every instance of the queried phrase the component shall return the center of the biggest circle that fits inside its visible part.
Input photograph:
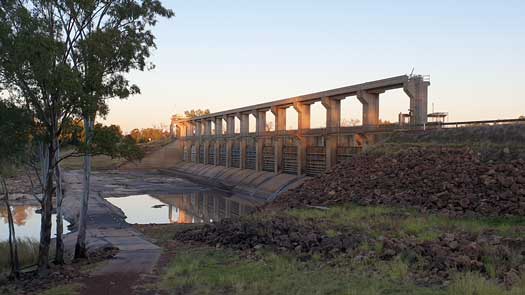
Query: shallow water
(194, 207)
(27, 222)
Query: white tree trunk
(13, 248)
(59, 252)
(80, 248)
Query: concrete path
(107, 227)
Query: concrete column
(218, 126)
(244, 119)
(280, 125)
(303, 114)
(229, 145)
(206, 147)
(207, 127)
(198, 128)
(197, 154)
(370, 103)
(260, 120)
(333, 113)
(301, 156)
(230, 125)
(417, 89)
(183, 129)
(280, 117)
(331, 150)
(216, 147)
(278, 151)
(259, 145)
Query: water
(194, 207)
(27, 222)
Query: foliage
(148, 134)
(196, 113)
(15, 127)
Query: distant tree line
(148, 134)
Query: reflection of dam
(197, 207)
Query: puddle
(27, 223)
(194, 207)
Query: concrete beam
(370, 103)
(378, 85)
(417, 89)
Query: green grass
(475, 284)
(98, 163)
(207, 270)
(219, 271)
(69, 289)
(27, 254)
(399, 222)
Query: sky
(227, 54)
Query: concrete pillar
(260, 121)
(280, 125)
(206, 147)
(331, 150)
(244, 119)
(303, 115)
(217, 156)
(207, 127)
(218, 126)
(197, 153)
(230, 125)
(259, 146)
(333, 113)
(184, 129)
(198, 128)
(301, 156)
(278, 152)
(280, 117)
(370, 103)
(229, 145)
(417, 89)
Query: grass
(474, 284)
(68, 289)
(98, 163)
(27, 254)
(211, 271)
(205, 270)
(398, 222)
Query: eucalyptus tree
(35, 70)
(107, 39)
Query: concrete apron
(106, 228)
(260, 185)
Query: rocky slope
(453, 181)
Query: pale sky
(227, 54)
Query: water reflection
(194, 207)
(27, 222)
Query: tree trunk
(80, 247)
(13, 248)
(59, 254)
(47, 207)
